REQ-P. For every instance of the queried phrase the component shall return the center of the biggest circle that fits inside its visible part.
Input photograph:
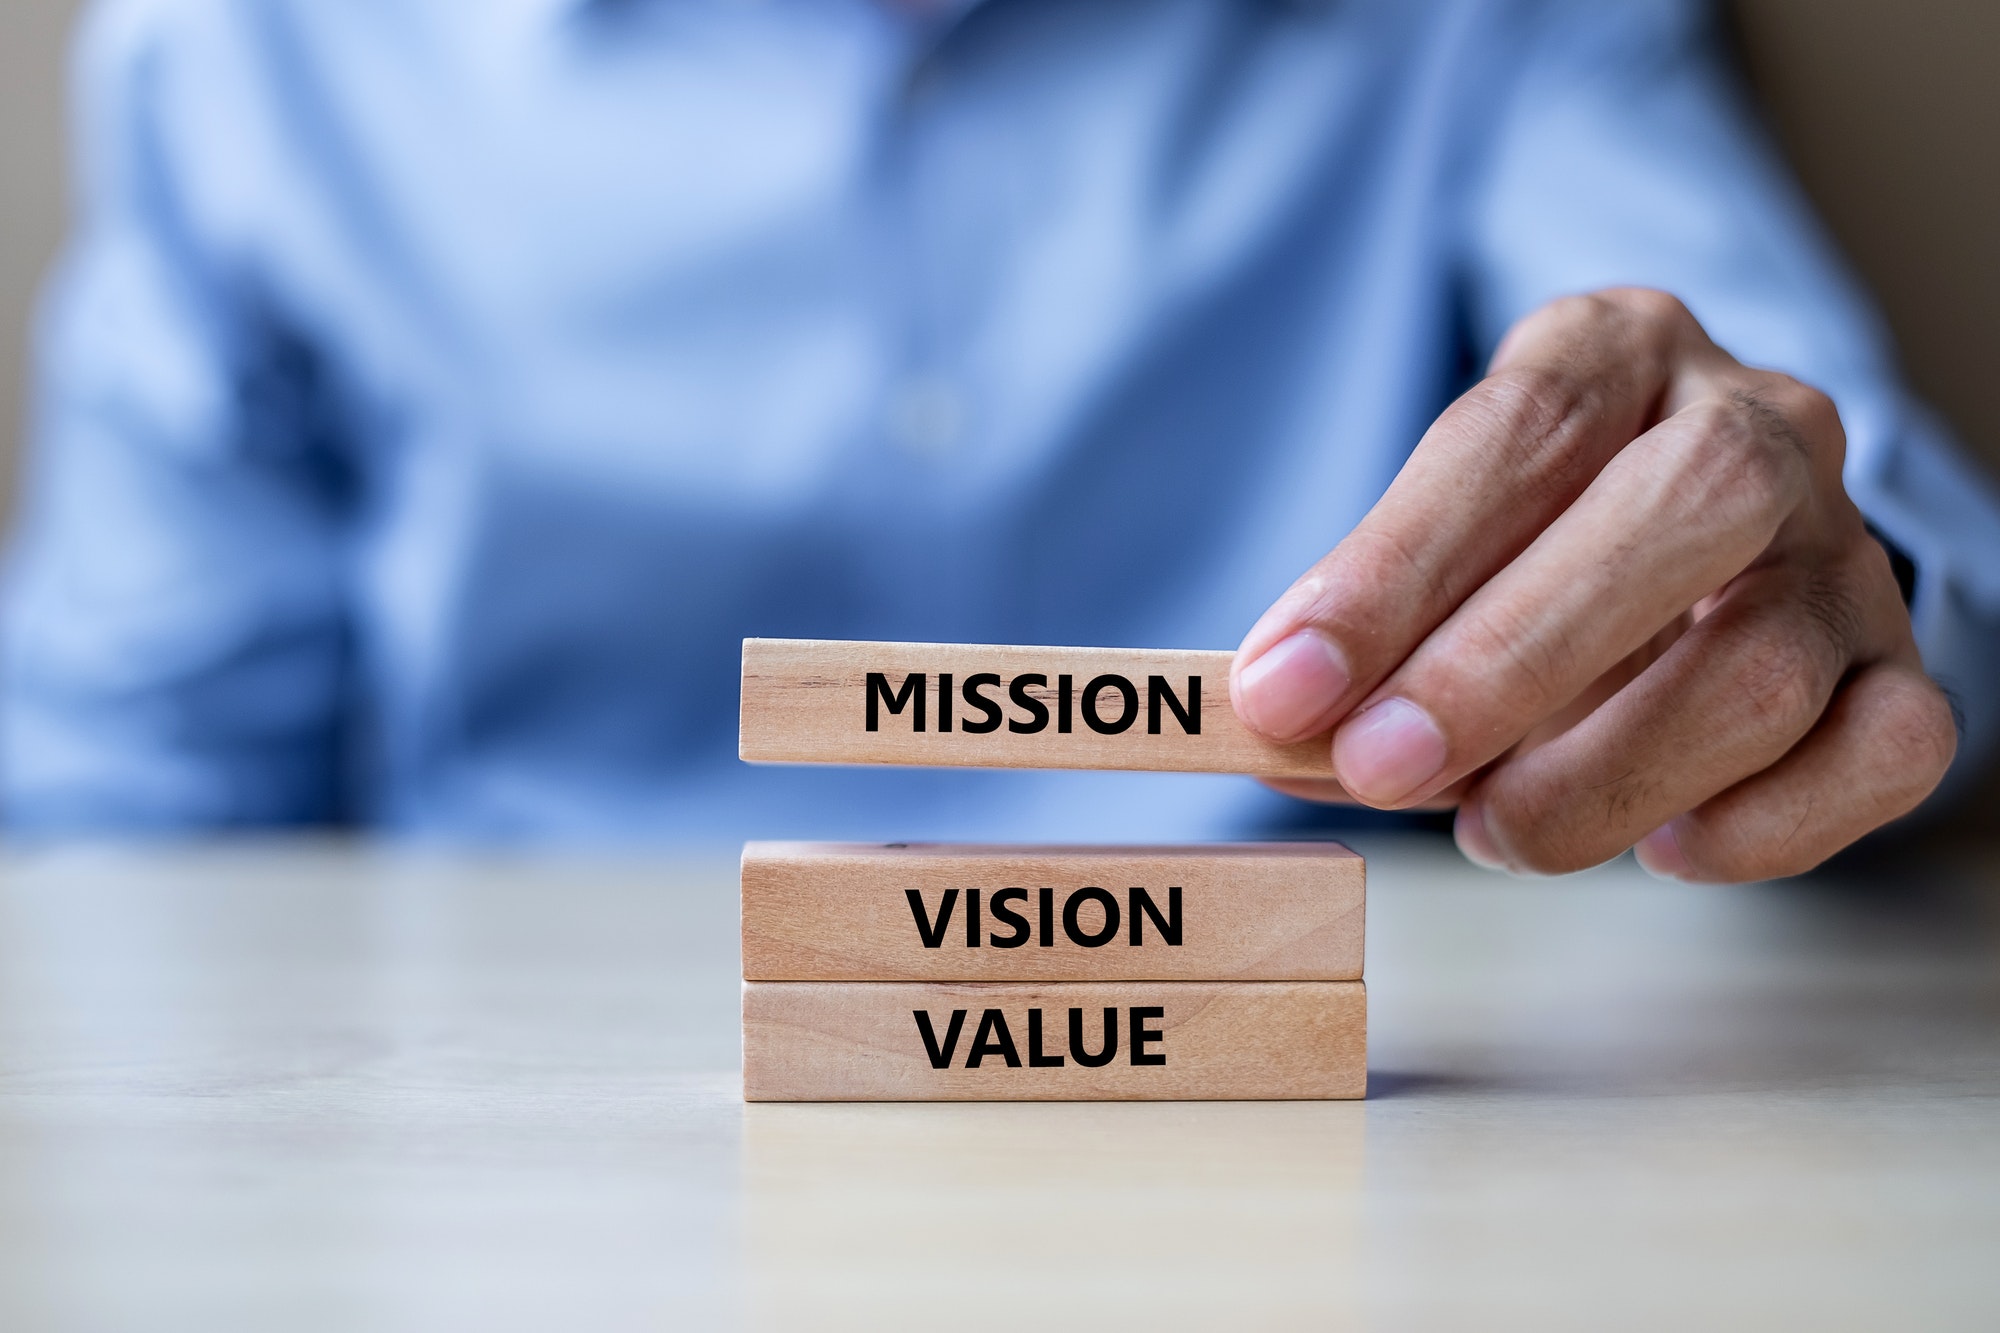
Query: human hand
(1618, 595)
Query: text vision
(1090, 918)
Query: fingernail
(1659, 854)
(1473, 839)
(1290, 691)
(1388, 752)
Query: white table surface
(300, 1088)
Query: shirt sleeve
(1627, 155)
(174, 636)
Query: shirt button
(926, 416)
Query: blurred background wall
(33, 38)
(1890, 110)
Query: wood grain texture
(1247, 912)
(1216, 1041)
(805, 701)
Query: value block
(1076, 1041)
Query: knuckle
(1583, 310)
(1919, 738)
(1537, 418)
(1735, 461)
(1557, 861)
(1653, 306)
(1833, 610)
(1536, 661)
(1811, 410)
(1911, 742)
(1379, 557)
(1647, 322)
(1721, 849)
(1779, 681)
(1768, 423)
(1528, 401)
(1528, 820)
(1621, 316)
(1548, 818)
(1560, 856)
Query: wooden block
(840, 1041)
(809, 701)
(933, 912)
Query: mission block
(809, 701)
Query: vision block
(808, 701)
(939, 912)
(1100, 1041)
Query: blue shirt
(437, 391)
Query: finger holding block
(811, 701)
(907, 912)
(1112, 1041)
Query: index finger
(1571, 386)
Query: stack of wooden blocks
(913, 972)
